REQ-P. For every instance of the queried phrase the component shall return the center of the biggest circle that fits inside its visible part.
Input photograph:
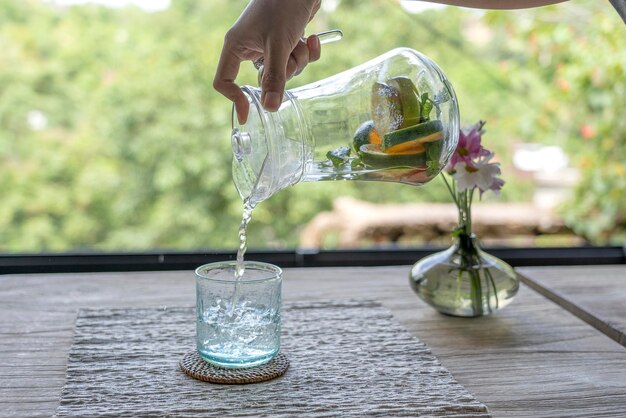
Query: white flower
(481, 174)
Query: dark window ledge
(154, 261)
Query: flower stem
(493, 284)
(450, 189)
(469, 211)
(477, 294)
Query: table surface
(534, 358)
(596, 295)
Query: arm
(497, 4)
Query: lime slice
(373, 156)
(386, 108)
(409, 100)
(375, 137)
(408, 138)
(362, 134)
(415, 145)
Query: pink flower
(481, 174)
(495, 186)
(469, 147)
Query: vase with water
(464, 280)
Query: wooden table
(595, 295)
(532, 359)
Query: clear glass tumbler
(238, 321)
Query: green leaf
(456, 232)
(356, 163)
(427, 107)
(433, 150)
(432, 167)
(338, 156)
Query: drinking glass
(238, 320)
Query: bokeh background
(112, 138)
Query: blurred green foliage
(111, 137)
(580, 56)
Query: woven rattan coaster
(193, 365)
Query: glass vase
(464, 280)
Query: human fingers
(315, 48)
(224, 82)
(306, 51)
(274, 74)
(298, 59)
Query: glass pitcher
(394, 118)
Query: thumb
(274, 74)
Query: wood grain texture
(595, 294)
(350, 357)
(532, 359)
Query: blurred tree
(111, 136)
(581, 57)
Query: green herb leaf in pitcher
(339, 156)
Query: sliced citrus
(375, 137)
(362, 134)
(409, 100)
(407, 138)
(419, 143)
(373, 156)
(386, 108)
(407, 148)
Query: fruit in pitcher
(419, 175)
(386, 108)
(366, 134)
(375, 137)
(412, 137)
(409, 100)
(398, 104)
(401, 133)
(373, 156)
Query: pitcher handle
(325, 37)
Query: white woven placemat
(347, 359)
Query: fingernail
(242, 118)
(242, 115)
(272, 100)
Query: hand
(271, 29)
